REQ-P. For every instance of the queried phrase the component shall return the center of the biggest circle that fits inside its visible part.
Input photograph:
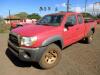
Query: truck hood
(32, 30)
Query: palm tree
(49, 8)
(41, 8)
(45, 8)
(56, 9)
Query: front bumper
(26, 54)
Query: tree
(41, 8)
(87, 15)
(98, 16)
(49, 8)
(22, 15)
(45, 8)
(3, 26)
(56, 9)
(34, 16)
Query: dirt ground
(77, 59)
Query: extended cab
(43, 42)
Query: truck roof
(64, 13)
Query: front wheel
(50, 57)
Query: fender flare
(53, 39)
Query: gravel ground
(77, 59)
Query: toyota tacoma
(44, 41)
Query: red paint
(73, 34)
(98, 21)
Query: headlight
(28, 41)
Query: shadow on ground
(18, 62)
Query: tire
(50, 57)
(89, 38)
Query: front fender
(53, 39)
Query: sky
(32, 6)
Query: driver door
(70, 30)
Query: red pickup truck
(43, 42)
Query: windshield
(53, 20)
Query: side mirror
(68, 24)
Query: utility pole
(85, 5)
(9, 17)
(97, 9)
(67, 5)
(93, 13)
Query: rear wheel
(50, 57)
(89, 38)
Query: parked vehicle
(88, 20)
(19, 24)
(16, 24)
(98, 21)
(43, 42)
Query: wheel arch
(55, 39)
(93, 30)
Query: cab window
(72, 20)
(80, 19)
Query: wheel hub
(51, 57)
(91, 37)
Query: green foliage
(98, 16)
(34, 16)
(3, 26)
(87, 15)
(22, 15)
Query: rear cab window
(80, 19)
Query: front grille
(13, 48)
(14, 39)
